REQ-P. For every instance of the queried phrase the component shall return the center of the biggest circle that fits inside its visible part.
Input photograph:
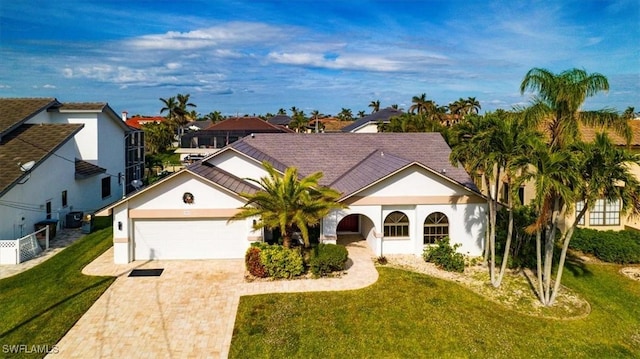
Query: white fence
(22, 249)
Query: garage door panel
(189, 239)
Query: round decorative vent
(187, 198)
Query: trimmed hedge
(621, 247)
(253, 263)
(444, 256)
(281, 262)
(327, 258)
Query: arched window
(436, 226)
(396, 225)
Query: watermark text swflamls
(29, 349)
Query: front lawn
(411, 315)
(39, 306)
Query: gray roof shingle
(221, 177)
(15, 111)
(351, 161)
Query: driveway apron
(187, 311)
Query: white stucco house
(402, 194)
(370, 123)
(57, 158)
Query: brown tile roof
(221, 177)
(30, 143)
(352, 160)
(588, 134)
(15, 111)
(245, 124)
(86, 169)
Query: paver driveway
(189, 311)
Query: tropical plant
(560, 172)
(286, 202)
(375, 106)
(420, 104)
(345, 115)
(299, 122)
(157, 136)
(214, 117)
(361, 114)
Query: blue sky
(251, 57)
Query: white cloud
(48, 86)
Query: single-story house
(401, 191)
(369, 123)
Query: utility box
(74, 219)
(87, 223)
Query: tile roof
(280, 120)
(137, 122)
(244, 124)
(382, 115)
(30, 143)
(221, 177)
(15, 111)
(86, 169)
(352, 160)
(588, 134)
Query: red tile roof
(137, 122)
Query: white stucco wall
(238, 164)
(368, 128)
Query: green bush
(253, 263)
(326, 258)
(610, 246)
(281, 262)
(444, 256)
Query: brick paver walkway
(189, 311)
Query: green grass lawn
(410, 315)
(38, 306)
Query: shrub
(281, 262)
(326, 258)
(610, 246)
(444, 256)
(253, 263)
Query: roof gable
(30, 143)
(16, 111)
(243, 124)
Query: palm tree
(394, 106)
(345, 114)
(294, 111)
(472, 106)
(171, 106)
(559, 100)
(282, 111)
(361, 114)
(420, 104)
(299, 122)
(606, 175)
(629, 113)
(287, 202)
(557, 105)
(375, 106)
(157, 137)
(214, 117)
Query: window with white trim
(605, 213)
(396, 225)
(436, 227)
(579, 207)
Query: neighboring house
(402, 194)
(216, 136)
(280, 120)
(604, 216)
(328, 124)
(58, 158)
(137, 121)
(369, 123)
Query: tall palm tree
(282, 111)
(299, 122)
(557, 104)
(214, 117)
(472, 106)
(345, 114)
(394, 106)
(559, 101)
(606, 175)
(361, 114)
(420, 104)
(287, 202)
(375, 106)
(170, 105)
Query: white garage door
(189, 239)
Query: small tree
(287, 202)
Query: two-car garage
(211, 238)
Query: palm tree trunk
(507, 246)
(563, 255)
(492, 239)
(539, 264)
(548, 250)
(487, 236)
